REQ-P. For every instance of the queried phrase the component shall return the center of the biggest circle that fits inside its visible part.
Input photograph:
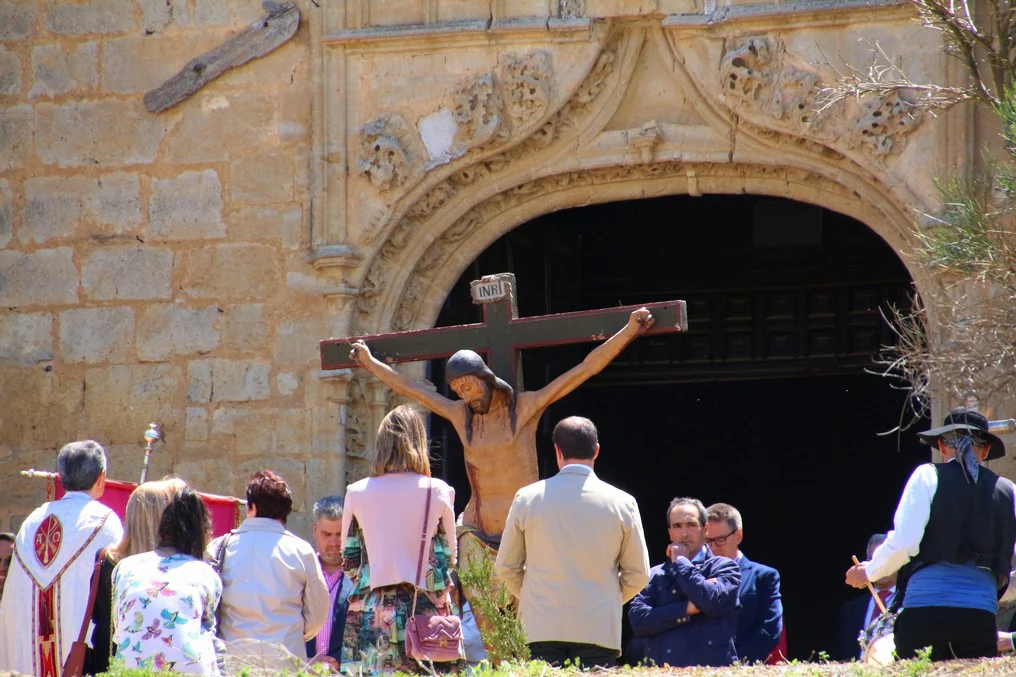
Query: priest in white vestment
(48, 583)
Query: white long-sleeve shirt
(912, 515)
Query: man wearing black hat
(955, 528)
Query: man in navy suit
(761, 619)
(687, 614)
(856, 614)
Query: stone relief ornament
(758, 78)
(645, 139)
(384, 155)
(883, 121)
(526, 81)
(477, 111)
(568, 117)
(571, 9)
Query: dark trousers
(585, 655)
(949, 631)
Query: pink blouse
(389, 510)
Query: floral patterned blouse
(164, 613)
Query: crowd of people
(155, 591)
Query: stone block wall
(144, 258)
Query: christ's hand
(360, 353)
(641, 320)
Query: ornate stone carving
(412, 297)
(358, 420)
(745, 68)
(883, 122)
(758, 80)
(526, 80)
(477, 110)
(571, 9)
(566, 118)
(384, 155)
(645, 139)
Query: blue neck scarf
(967, 459)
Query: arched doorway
(763, 404)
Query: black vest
(968, 523)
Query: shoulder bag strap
(220, 554)
(423, 544)
(92, 592)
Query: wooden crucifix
(497, 423)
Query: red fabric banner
(224, 510)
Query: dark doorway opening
(763, 404)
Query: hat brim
(996, 450)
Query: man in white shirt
(48, 584)
(955, 528)
(272, 585)
(573, 552)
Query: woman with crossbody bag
(399, 551)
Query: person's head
(327, 529)
(575, 440)
(401, 444)
(686, 519)
(143, 515)
(962, 424)
(82, 467)
(185, 524)
(6, 553)
(873, 543)
(269, 496)
(724, 529)
(472, 380)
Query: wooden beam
(263, 36)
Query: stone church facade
(181, 267)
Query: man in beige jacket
(573, 552)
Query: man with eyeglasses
(760, 622)
(6, 553)
(952, 542)
(687, 614)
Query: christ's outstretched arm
(639, 321)
(402, 384)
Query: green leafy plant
(501, 629)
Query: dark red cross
(502, 334)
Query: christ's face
(474, 392)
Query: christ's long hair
(401, 444)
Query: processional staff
(151, 437)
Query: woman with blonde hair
(140, 534)
(383, 523)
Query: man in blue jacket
(687, 614)
(761, 619)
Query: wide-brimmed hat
(970, 421)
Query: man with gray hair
(327, 531)
(46, 594)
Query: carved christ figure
(497, 425)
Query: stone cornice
(799, 14)
(794, 15)
(461, 31)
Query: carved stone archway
(752, 126)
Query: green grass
(988, 667)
